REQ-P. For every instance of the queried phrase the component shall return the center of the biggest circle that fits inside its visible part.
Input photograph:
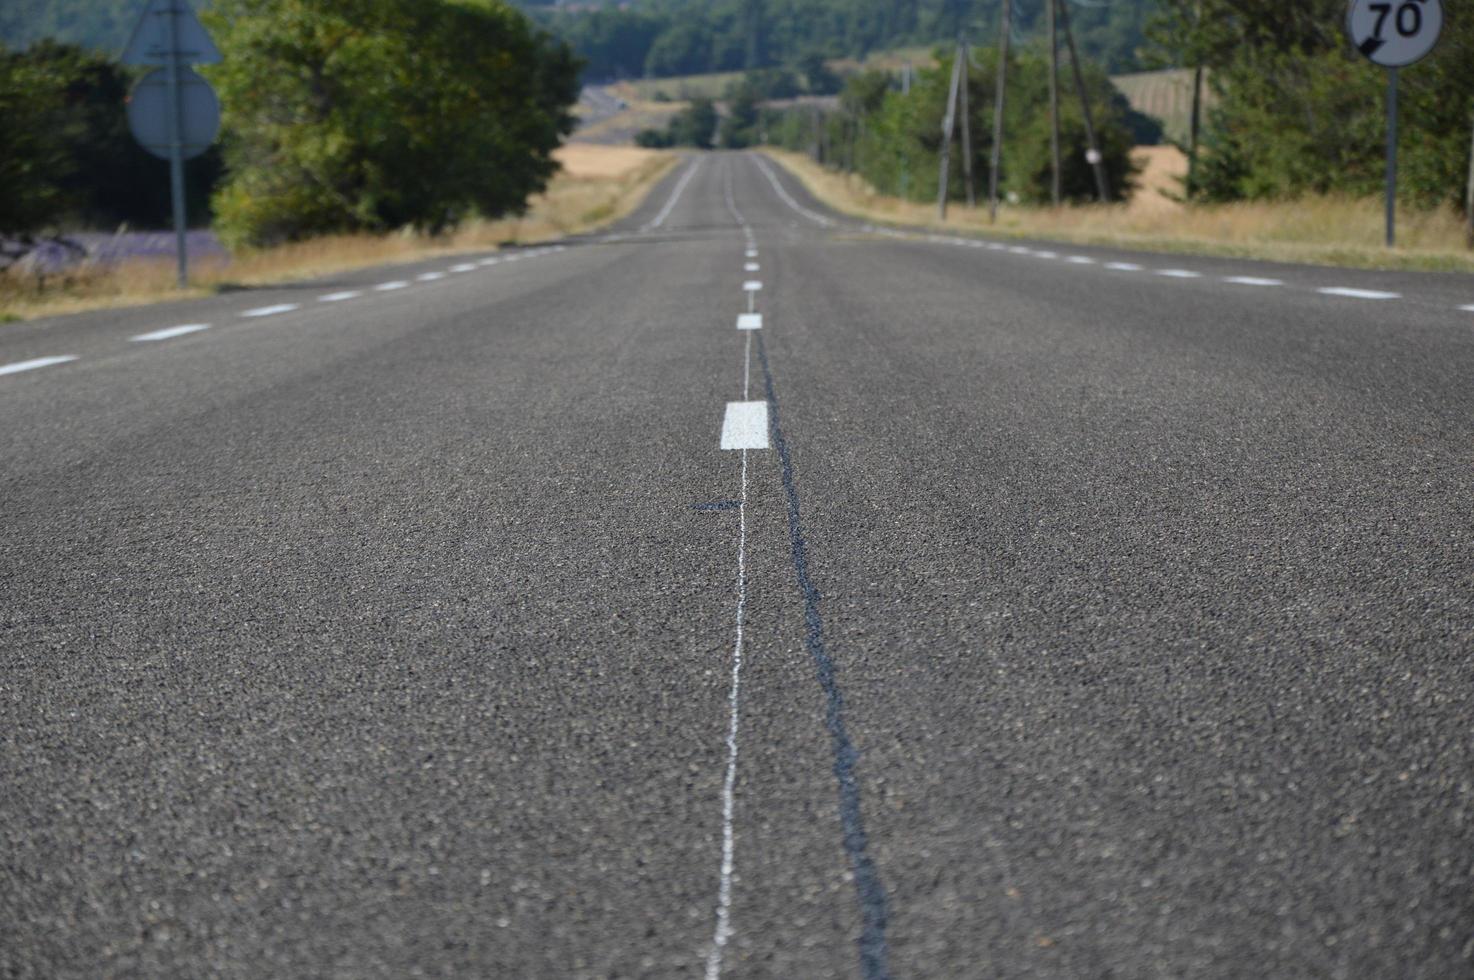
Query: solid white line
(749, 321)
(787, 199)
(1358, 293)
(1253, 281)
(1123, 266)
(1179, 273)
(745, 425)
(272, 310)
(430, 276)
(723, 931)
(750, 267)
(464, 267)
(168, 332)
(674, 196)
(39, 362)
(385, 287)
(340, 297)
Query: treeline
(338, 116)
(1299, 110)
(893, 138)
(658, 38)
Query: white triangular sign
(153, 42)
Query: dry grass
(1321, 230)
(598, 185)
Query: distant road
(1052, 611)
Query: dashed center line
(750, 267)
(39, 362)
(386, 287)
(271, 310)
(466, 267)
(752, 286)
(430, 276)
(170, 332)
(1123, 266)
(1081, 260)
(340, 297)
(749, 321)
(1179, 274)
(1253, 281)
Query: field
(1165, 96)
(598, 185)
(1319, 230)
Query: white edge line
(1357, 293)
(169, 332)
(39, 362)
(271, 310)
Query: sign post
(173, 113)
(1394, 34)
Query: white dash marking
(1358, 293)
(271, 310)
(1179, 273)
(169, 332)
(996, 247)
(1253, 281)
(749, 321)
(745, 426)
(32, 365)
(1019, 250)
(340, 297)
(752, 253)
(430, 276)
(1081, 260)
(752, 286)
(750, 267)
(1123, 266)
(464, 267)
(1046, 255)
(485, 262)
(1469, 308)
(385, 287)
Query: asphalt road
(1063, 617)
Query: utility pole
(962, 58)
(1469, 194)
(1054, 184)
(997, 155)
(1093, 153)
(1195, 120)
(949, 122)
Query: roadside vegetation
(595, 186)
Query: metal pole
(1054, 183)
(948, 123)
(1096, 161)
(1391, 157)
(996, 158)
(176, 146)
(965, 109)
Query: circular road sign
(149, 107)
(1394, 33)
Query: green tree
(32, 153)
(348, 115)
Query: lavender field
(102, 249)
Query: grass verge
(1329, 231)
(597, 186)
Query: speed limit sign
(1394, 33)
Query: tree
(347, 115)
(32, 152)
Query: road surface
(1054, 611)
